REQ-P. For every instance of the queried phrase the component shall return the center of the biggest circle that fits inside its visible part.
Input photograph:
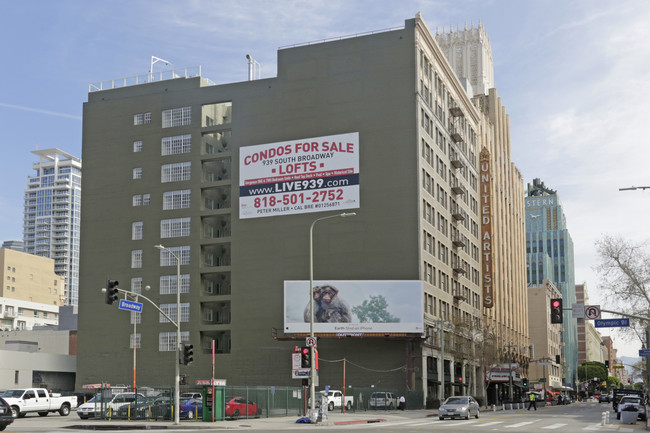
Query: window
(137, 200)
(142, 118)
(177, 117)
(168, 284)
(136, 285)
(36, 313)
(176, 199)
(176, 172)
(135, 340)
(170, 310)
(166, 259)
(167, 340)
(136, 318)
(146, 199)
(136, 259)
(137, 146)
(176, 145)
(174, 228)
(136, 230)
(137, 173)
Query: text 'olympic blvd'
(299, 176)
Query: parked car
(191, 408)
(604, 398)
(137, 409)
(6, 416)
(386, 400)
(463, 406)
(188, 395)
(239, 406)
(24, 401)
(83, 397)
(631, 402)
(94, 407)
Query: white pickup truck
(335, 399)
(23, 401)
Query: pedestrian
(532, 403)
(402, 403)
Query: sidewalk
(274, 423)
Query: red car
(238, 406)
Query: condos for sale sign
(299, 176)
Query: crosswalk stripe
(521, 424)
(553, 426)
(488, 424)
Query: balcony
(457, 266)
(458, 241)
(457, 213)
(216, 198)
(216, 227)
(455, 160)
(215, 171)
(216, 255)
(456, 111)
(216, 283)
(456, 187)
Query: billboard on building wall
(299, 176)
(355, 307)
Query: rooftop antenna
(253, 68)
(155, 59)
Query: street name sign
(644, 352)
(611, 323)
(130, 306)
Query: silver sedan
(460, 406)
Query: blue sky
(573, 75)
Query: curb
(361, 421)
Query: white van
(93, 408)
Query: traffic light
(628, 380)
(524, 382)
(607, 363)
(111, 291)
(188, 354)
(305, 357)
(556, 310)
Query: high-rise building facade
(505, 320)
(505, 324)
(549, 255)
(181, 152)
(52, 215)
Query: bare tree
(624, 271)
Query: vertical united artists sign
(486, 229)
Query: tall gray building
(212, 172)
(52, 215)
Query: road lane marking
(554, 426)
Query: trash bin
(629, 416)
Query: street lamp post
(312, 371)
(177, 373)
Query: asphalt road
(577, 417)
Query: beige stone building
(506, 320)
(546, 337)
(503, 261)
(31, 292)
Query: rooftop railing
(188, 72)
